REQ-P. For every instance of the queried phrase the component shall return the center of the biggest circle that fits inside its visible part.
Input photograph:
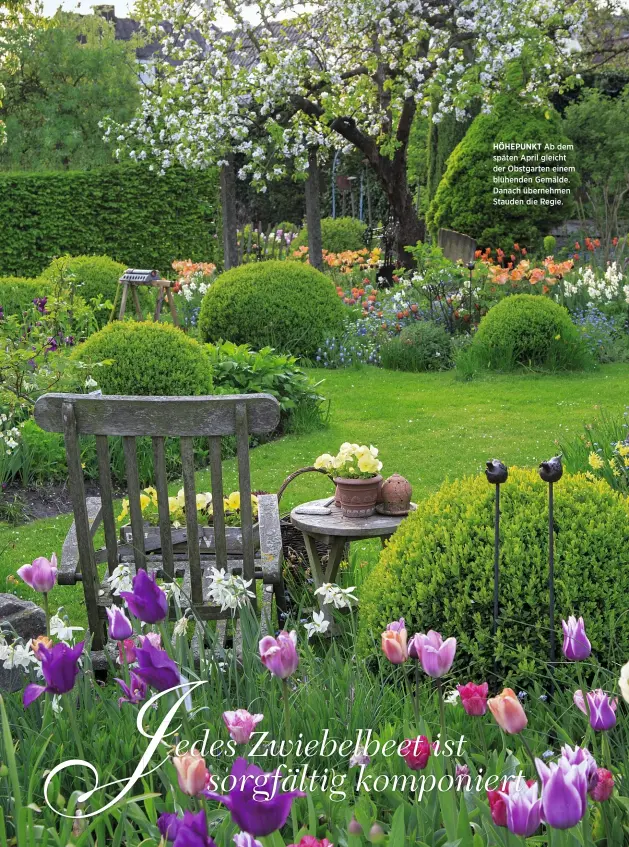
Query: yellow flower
(125, 510)
(181, 498)
(144, 501)
(623, 448)
(232, 503)
(367, 463)
(173, 505)
(595, 461)
(152, 493)
(203, 501)
(324, 462)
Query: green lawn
(427, 426)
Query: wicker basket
(295, 553)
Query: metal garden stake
(551, 472)
(496, 473)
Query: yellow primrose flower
(595, 461)
(181, 498)
(173, 505)
(144, 501)
(232, 503)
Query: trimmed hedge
(337, 235)
(126, 212)
(437, 572)
(17, 293)
(464, 200)
(147, 359)
(286, 305)
(529, 330)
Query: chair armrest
(69, 573)
(270, 538)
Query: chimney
(106, 11)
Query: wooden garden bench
(255, 551)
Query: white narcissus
(623, 682)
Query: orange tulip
(508, 712)
(394, 642)
(192, 775)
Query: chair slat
(216, 474)
(244, 482)
(135, 510)
(194, 554)
(87, 559)
(161, 486)
(107, 501)
(174, 416)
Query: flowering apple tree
(274, 79)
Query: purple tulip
(156, 668)
(564, 792)
(254, 801)
(120, 627)
(524, 809)
(576, 646)
(134, 692)
(436, 655)
(60, 666)
(147, 601)
(41, 575)
(279, 654)
(578, 755)
(602, 708)
(189, 831)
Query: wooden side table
(335, 531)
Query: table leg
(321, 575)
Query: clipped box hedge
(437, 573)
(128, 213)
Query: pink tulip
(508, 712)
(279, 654)
(474, 698)
(394, 642)
(153, 638)
(416, 752)
(126, 652)
(192, 774)
(241, 724)
(41, 575)
(604, 787)
(436, 655)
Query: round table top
(335, 523)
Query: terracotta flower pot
(358, 497)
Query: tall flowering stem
(288, 735)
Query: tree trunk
(228, 205)
(411, 228)
(313, 211)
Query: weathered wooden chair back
(185, 418)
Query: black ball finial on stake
(551, 472)
(496, 473)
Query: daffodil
(595, 461)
